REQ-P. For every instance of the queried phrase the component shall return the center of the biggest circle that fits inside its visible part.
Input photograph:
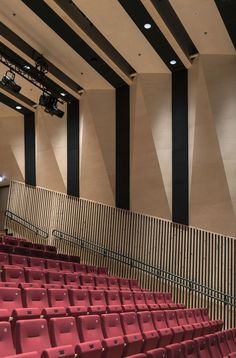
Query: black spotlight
(50, 104)
(8, 81)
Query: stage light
(50, 104)
(8, 81)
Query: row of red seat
(217, 345)
(15, 301)
(49, 264)
(108, 335)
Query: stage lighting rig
(49, 103)
(8, 81)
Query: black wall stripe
(123, 147)
(41, 9)
(227, 9)
(29, 135)
(180, 205)
(73, 148)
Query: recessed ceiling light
(62, 94)
(18, 107)
(173, 62)
(1, 178)
(147, 26)
(27, 67)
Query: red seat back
(58, 298)
(63, 331)
(79, 298)
(35, 297)
(129, 322)
(111, 325)
(89, 328)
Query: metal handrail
(26, 224)
(157, 272)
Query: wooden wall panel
(192, 263)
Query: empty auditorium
(117, 178)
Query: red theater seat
(189, 349)
(10, 299)
(4, 259)
(150, 301)
(139, 301)
(127, 301)
(160, 300)
(98, 302)
(80, 268)
(79, 302)
(112, 328)
(113, 283)
(172, 323)
(34, 276)
(53, 265)
(213, 346)
(157, 353)
(113, 301)
(87, 281)
(29, 285)
(58, 298)
(36, 262)
(202, 347)
(18, 260)
(222, 343)
(169, 301)
(164, 332)
(72, 279)
(6, 343)
(13, 274)
(182, 321)
(124, 283)
(64, 331)
(230, 340)
(67, 266)
(92, 270)
(25, 355)
(32, 335)
(102, 271)
(8, 284)
(101, 283)
(90, 330)
(54, 277)
(149, 333)
(35, 297)
(133, 284)
(198, 327)
(132, 331)
(175, 351)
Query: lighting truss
(32, 75)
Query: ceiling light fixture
(8, 81)
(18, 107)
(173, 62)
(27, 67)
(62, 94)
(147, 26)
(50, 105)
(1, 178)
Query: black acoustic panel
(73, 143)
(29, 136)
(13, 103)
(84, 23)
(140, 16)
(180, 200)
(227, 9)
(72, 39)
(175, 26)
(123, 147)
(32, 53)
